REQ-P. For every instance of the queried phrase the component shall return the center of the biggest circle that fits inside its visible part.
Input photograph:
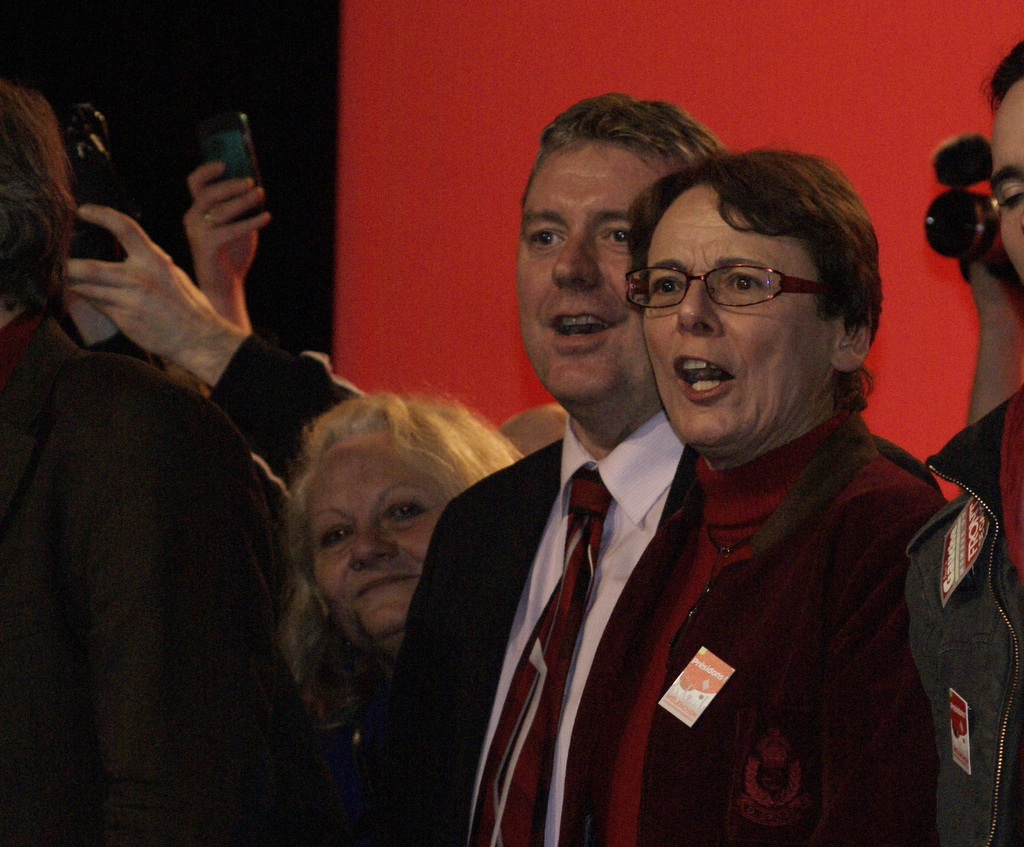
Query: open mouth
(579, 325)
(700, 374)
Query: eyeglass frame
(787, 283)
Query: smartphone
(226, 138)
(94, 180)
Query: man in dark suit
(142, 697)
(497, 552)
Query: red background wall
(442, 103)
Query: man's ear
(851, 348)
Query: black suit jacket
(456, 635)
(142, 697)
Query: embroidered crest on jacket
(772, 789)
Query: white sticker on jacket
(960, 729)
(963, 543)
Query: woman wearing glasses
(768, 695)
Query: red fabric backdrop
(442, 102)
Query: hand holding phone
(226, 214)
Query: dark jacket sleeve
(271, 395)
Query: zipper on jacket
(1004, 719)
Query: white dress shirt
(638, 473)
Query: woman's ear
(851, 349)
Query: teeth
(701, 374)
(580, 324)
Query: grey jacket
(973, 646)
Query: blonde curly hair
(442, 440)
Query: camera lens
(962, 224)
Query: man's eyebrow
(542, 217)
(606, 215)
(1004, 174)
(545, 216)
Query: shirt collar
(637, 472)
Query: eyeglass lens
(730, 286)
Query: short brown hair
(796, 195)
(651, 129)
(37, 210)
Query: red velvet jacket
(823, 734)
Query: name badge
(696, 686)
(960, 729)
(964, 541)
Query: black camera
(94, 180)
(964, 224)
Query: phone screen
(226, 138)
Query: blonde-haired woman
(375, 474)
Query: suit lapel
(537, 489)
(681, 483)
(526, 500)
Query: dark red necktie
(517, 775)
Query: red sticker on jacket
(963, 543)
(960, 730)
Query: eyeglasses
(729, 285)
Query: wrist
(208, 356)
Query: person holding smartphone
(204, 327)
